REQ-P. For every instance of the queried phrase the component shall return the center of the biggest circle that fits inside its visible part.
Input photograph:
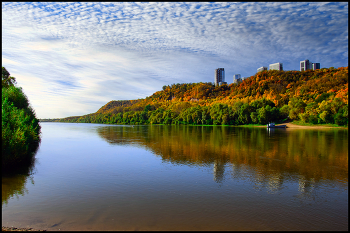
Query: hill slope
(316, 97)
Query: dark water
(106, 177)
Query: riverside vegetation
(20, 127)
(306, 97)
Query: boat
(272, 125)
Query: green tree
(284, 111)
(7, 80)
(262, 116)
(326, 117)
(167, 117)
(254, 117)
(341, 118)
(244, 114)
(20, 127)
(296, 106)
(148, 108)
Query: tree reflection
(273, 156)
(14, 180)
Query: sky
(71, 58)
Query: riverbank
(291, 125)
(18, 229)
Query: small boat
(272, 125)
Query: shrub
(20, 127)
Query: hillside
(315, 97)
(116, 106)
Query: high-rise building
(305, 65)
(237, 78)
(316, 66)
(276, 66)
(262, 68)
(219, 76)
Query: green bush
(20, 127)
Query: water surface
(107, 177)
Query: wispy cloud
(71, 58)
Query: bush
(20, 127)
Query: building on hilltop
(307, 65)
(237, 78)
(316, 66)
(219, 76)
(262, 69)
(276, 66)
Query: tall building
(276, 66)
(262, 68)
(219, 76)
(316, 66)
(305, 65)
(237, 78)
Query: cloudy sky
(72, 58)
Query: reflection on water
(14, 178)
(273, 156)
(13, 182)
(105, 177)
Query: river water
(158, 177)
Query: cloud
(9, 61)
(82, 55)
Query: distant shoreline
(289, 125)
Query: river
(158, 177)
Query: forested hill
(316, 97)
(116, 106)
